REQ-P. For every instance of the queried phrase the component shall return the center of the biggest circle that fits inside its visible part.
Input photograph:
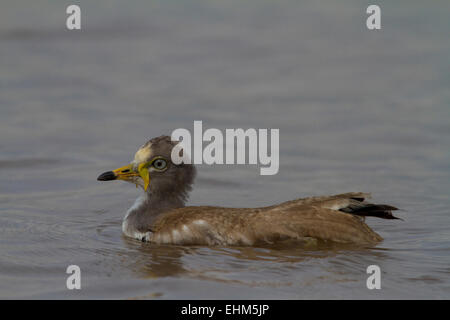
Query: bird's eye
(159, 164)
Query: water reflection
(154, 261)
(148, 260)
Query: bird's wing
(315, 222)
(338, 199)
(353, 203)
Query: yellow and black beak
(127, 173)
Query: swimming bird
(160, 216)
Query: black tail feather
(383, 211)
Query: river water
(357, 110)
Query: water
(357, 111)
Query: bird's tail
(365, 209)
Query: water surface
(357, 110)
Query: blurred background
(357, 110)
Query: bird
(160, 215)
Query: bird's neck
(146, 209)
(158, 203)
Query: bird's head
(153, 170)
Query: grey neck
(146, 209)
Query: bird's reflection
(154, 261)
(157, 261)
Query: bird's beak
(126, 173)
(123, 173)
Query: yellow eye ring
(159, 163)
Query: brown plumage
(160, 215)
